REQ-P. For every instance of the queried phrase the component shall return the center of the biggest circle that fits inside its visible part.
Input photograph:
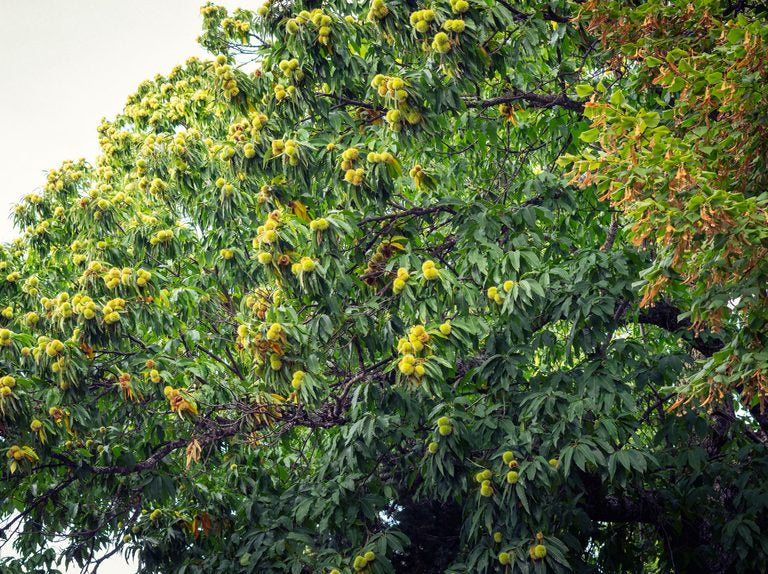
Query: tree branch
(522, 16)
(611, 508)
(408, 212)
(533, 99)
(665, 315)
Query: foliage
(389, 287)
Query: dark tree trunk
(434, 530)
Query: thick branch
(408, 212)
(48, 494)
(533, 99)
(665, 315)
(522, 16)
(762, 420)
(611, 236)
(164, 451)
(349, 383)
(151, 461)
(611, 508)
(232, 367)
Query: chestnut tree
(456, 286)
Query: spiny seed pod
(454, 26)
(320, 224)
(431, 274)
(441, 44)
(307, 264)
(459, 6)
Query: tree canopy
(460, 286)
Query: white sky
(65, 64)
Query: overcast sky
(68, 63)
